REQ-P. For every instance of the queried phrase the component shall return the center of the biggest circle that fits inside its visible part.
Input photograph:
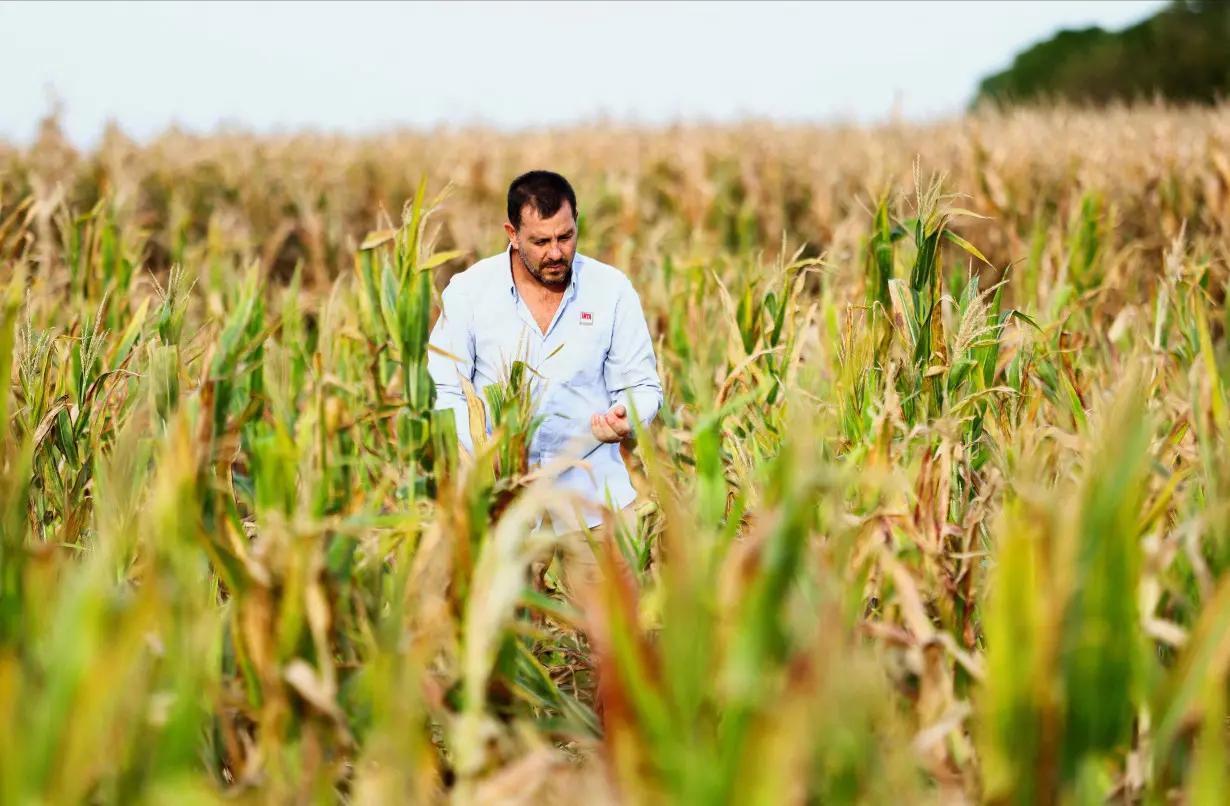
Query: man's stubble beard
(538, 274)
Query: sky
(358, 67)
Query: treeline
(1181, 55)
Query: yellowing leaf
(966, 245)
(378, 238)
(440, 258)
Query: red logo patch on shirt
(587, 318)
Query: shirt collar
(577, 260)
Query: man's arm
(453, 335)
(631, 370)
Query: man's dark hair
(546, 190)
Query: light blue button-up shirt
(596, 352)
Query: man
(579, 324)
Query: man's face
(546, 245)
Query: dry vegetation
(937, 489)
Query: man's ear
(512, 234)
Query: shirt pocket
(581, 359)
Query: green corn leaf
(958, 373)
(1205, 657)
(1209, 778)
(65, 438)
(905, 309)
(1101, 648)
(1221, 414)
(1075, 408)
(390, 293)
(1015, 314)
(880, 257)
(123, 348)
(1017, 696)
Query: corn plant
(933, 511)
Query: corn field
(938, 501)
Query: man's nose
(555, 252)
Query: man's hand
(612, 426)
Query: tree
(1180, 54)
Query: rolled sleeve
(631, 371)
